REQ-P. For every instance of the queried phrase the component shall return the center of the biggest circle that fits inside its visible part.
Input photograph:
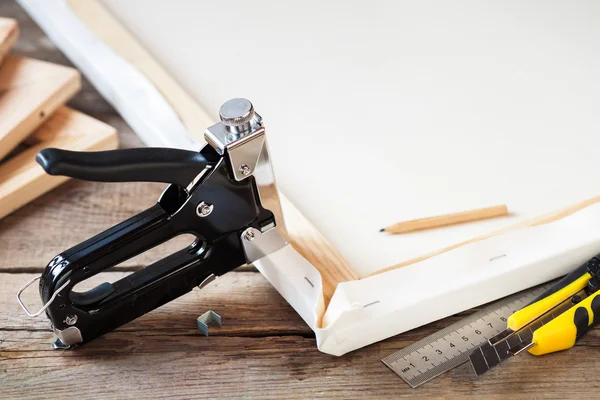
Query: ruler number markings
(451, 346)
(442, 350)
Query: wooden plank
(24, 180)
(31, 91)
(95, 206)
(9, 33)
(262, 351)
(34, 43)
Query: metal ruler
(451, 347)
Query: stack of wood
(33, 116)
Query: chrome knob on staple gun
(224, 195)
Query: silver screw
(244, 169)
(239, 118)
(249, 234)
(204, 209)
(237, 113)
(71, 319)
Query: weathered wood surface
(264, 349)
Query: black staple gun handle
(128, 165)
(202, 200)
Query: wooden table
(263, 350)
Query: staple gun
(225, 195)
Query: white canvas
(384, 112)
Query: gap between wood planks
(257, 313)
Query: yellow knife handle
(550, 299)
(563, 331)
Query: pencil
(447, 219)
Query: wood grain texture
(31, 91)
(9, 32)
(243, 298)
(309, 242)
(263, 350)
(447, 219)
(22, 179)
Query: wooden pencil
(447, 219)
